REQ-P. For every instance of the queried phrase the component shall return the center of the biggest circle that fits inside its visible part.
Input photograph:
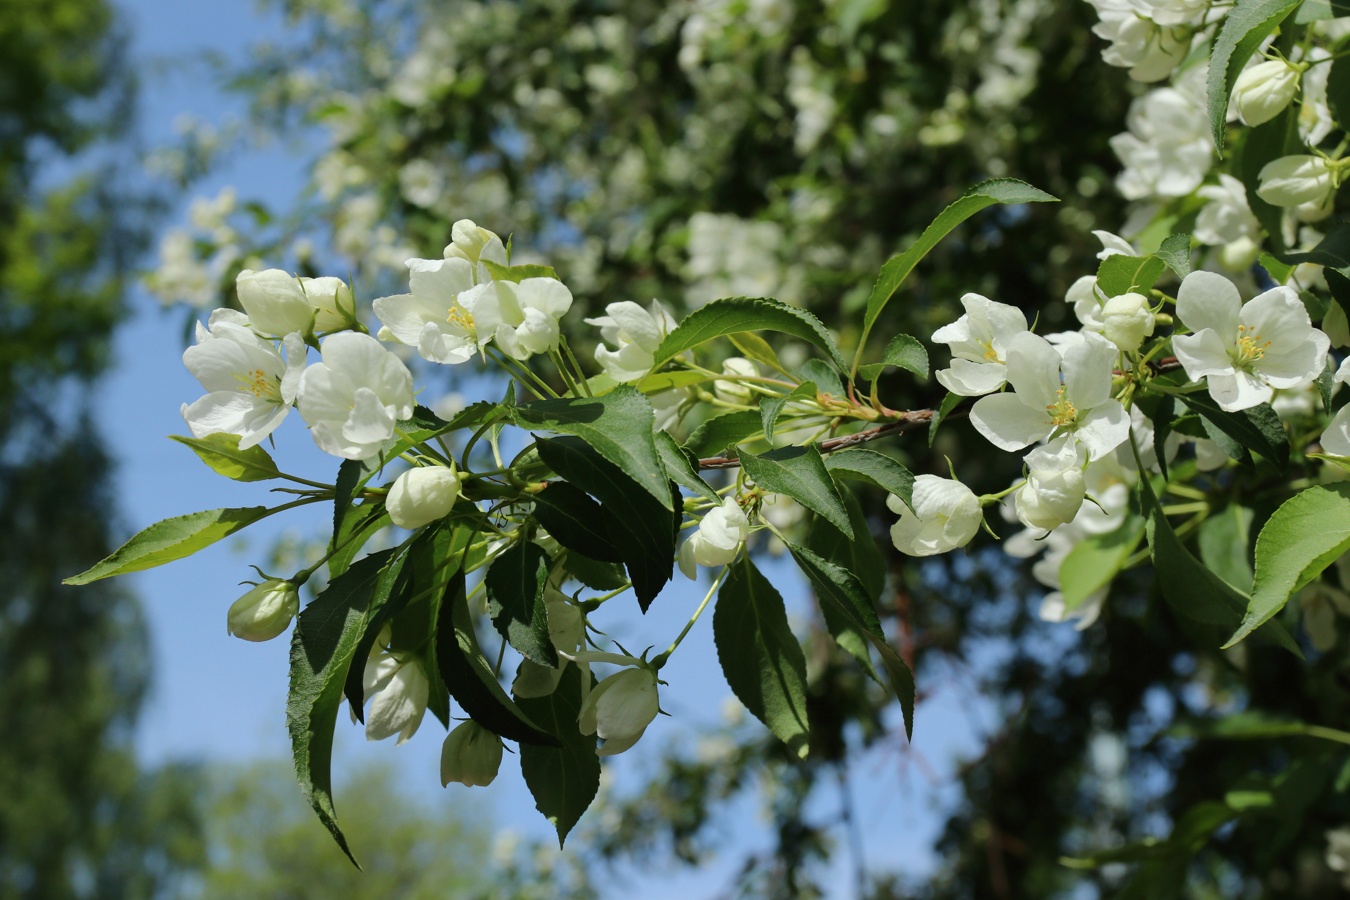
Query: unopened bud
(264, 612)
(470, 755)
(423, 495)
(1127, 320)
(1262, 92)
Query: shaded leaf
(515, 585)
(1247, 24)
(564, 779)
(738, 314)
(800, 473)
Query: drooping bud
(471, 755)
(620, 708)
(264, 612)
(1296, 181)
(423, 495)
(1262, 92)
(719, 538)
(1054, 490)
(397, 689)
(1126, 320)
(946, 515)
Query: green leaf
(903, 352)
(517, 274)
(1095, 561)
(469, 676)
(358, 526)
(658, 382)
(840, 589)
(641, 529)
(1333, 251)
(862, 464)
(800, 473)
(682, 467)
(1300, 539)
(752, 346)
(563, 779)
(771, 407)
(862, 557)
(1257, 147)
(171, 539)
(737, 314)
(1279, 272)
(574, 520)
(760, 656)
(896, 269)
(725, 431)
(1248, 23)
(596, 575)
(619, 427)
(949, 403)
(322, 648)
(827, 380)
(1258, 429)
(1338, 91)
(1120, 274)
(1326, 382)
(221, 452)
(1223, 539)
(515, 600)
(1176, 253)
(393, 590)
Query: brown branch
(907, 421)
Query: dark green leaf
(392, 592)
(597, 575)
(800, 473)
(737, 314)
(563, 779)
(1338, 91)
(1333, 251)
(1247, 24)
(861, 556)
(221, 452)
(949, 403)
(1120, 274)
(619, 427)
(1258, 429)
(682, 467)
(722, 432)
(515, 594)
(1259, 146)
(862, 464)
(770, 407)
(171, 539)
(1176, 253)
(574, 520)
(760, 656)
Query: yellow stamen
(257, 383)
(461, 317)
(1249, 347)
(1061, 412)
(990, 354)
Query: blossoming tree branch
(1201, 381)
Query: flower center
(1061, 412)
(990, 354)
(259, 384)
(1249, 347)
(462, 317)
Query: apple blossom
(1052, 393)
(422, 495)
(353, 398)
(332, 301)
(274, 302)
(251, 387)
(1263, 91)
(471, 755)
(264, 612)
(431, 318)
(635, 333)
(1336, 438)
(522, 318)
(475, 244)
(979, 341)
(1226, 221)
(1142, 44)
(1054, 488)
(620, 708)
(396, 687)
(1246, 351)
(719, 538)
(734, 391)
(1296, 181)
(1167, 151)
(946, 515)
(1126, 320)
(1087, 304)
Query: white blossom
(1263, 91)
(1246, 351)
(979, 343)
(354, 397)
(396, 687)
(1300, 180)
(1055, 487)
(1336, 438)
(423, 495)
(720, 536)
(1168, 150)
(522, 318)
(734, 391)
(431, 318)
(332, 301)
(1226, 221)
(1338, 854)
(1126, 320)
(274, 302)
(946, 515)
(1147, 47)
(471, 755)
(620, 708)
(634, 333)
(474, 244)
(1087, 305)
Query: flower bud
(264, 612)
(423, 495)
(274, 302)
(1296, 181)
(946, 515)
(734, 391)
(1054, 490)
(470, 755)
(333, 302)
(474, 243)
(1262, 92)
(620, 708)
(719, 538)
(1127, 320)
(397, 689)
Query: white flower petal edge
(353, 398)
(946, 515)
(431, 318)
(979, 342)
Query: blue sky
(221, 699)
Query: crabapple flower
(251, 387)
(1139, 43)
(422, 495)
(1087, 306)
(353, 398)
(620, 708)
(946, 515)
(979, 342)
(1336, 438)
(264, 612)
(1226, 221)
(735, 391)
(1167, 151)
(1051, 393)
(636, 333)
(332, 302)
(471, 755)
(1246, 351)
(1113, 245)
(1055, 488)
(397, 689)
(274, 302)
(1297, 181)
(1126, 320)
(522, 318)
(475, 244)
(719, 538)
(1263, 91)
(431, 317)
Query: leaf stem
(660, 660)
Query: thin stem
(518, 369)
(576, 365)
(660, 661)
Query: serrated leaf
(896, 269)
(903, 352)
(563, 780)
(469, 677)
(641, 530)
(760, 656)
(800, 473)
(827, 379)
(862, 464)
(862, 557)
(517, 274)
(363, 521)
(682, 467)
(949, 403)
(574, 520)
(752, 346)
(1095, 561)
(515, 597)
(1176, 253)
(1120, 274)
(1258, 429)
(322, 647)
(720, 433)
(840, 589)
(1247, 24)
(738, 314)
(221, 452)
(393, 590)
(771, 407)
(172, 539)
(1223, 539)
(594, 574)
(619, 427)
(1306, 534)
